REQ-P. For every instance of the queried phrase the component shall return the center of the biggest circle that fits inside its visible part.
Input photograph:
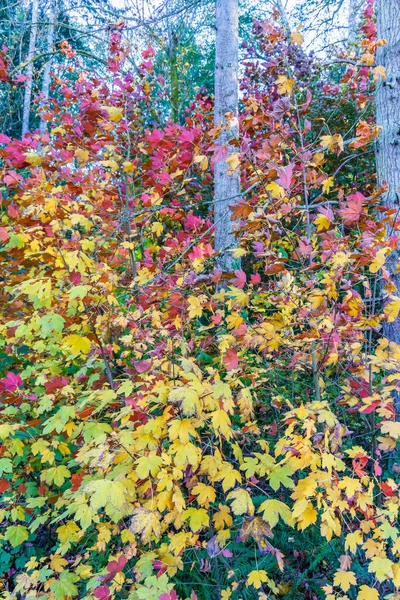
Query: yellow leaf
(57, 563)
(115, 114)
(77, 344)
(304, 513)
(157, 228)
(379, 260)
(69, 532)
(148, 464)
(382, 567)
(322, 223)
(285, 85)
(257, 578)
(333, 142)
(57, 475)
(273, 509)
(344, 579)
(205, 494)
(297, 38)
(367, 593)
(198, 518)
(242, 502)
(353, 540)
(146, 523)
(233, 161)
(392, 309)
(188, 398)
(392, 428)
(276, 190)
(195, 308)
(327, 184)
(182, 429)
(222, 518)
(379, 73)
(33, 159)
(128, 167)
(203, 161)
(82, 155)
(367, 59)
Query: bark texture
(52, 15)
(29, 68)
(226, 183)
(388, 144)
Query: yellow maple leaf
(382, 567)
(276, 190)
(392, 428)
(182, 429)
(57, 563)
(205, 494)
(273, 509)
(379, 260)
(333, 142)
(392, 309)
(198, 518)
(146, 523)
(327, 184)
(256, 578)
(367, 593)
(242, 502)
(115, 114)
(344, 579)
(233, 161)
(379, 73)
(33, 159)
(285, 85)
(322, 223)
(195, 308)
(297, 38)
(222, 518)
(77, 344)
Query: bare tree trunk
(29, 68)
(388, 144)
(226, 182)
(50, 46)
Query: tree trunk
(29, 68)
(226, 182)
(50, 46)
(388, 144)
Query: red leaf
(231, 359)
(352, 210)
(102, 592)
(240, 280)
(4, 485)
(115, 566)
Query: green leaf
(16, 535)
(65, 586)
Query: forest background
(199, 319)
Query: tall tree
(52, 16)
(226, 175)
(29, 68)
(388, 118)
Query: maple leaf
(231, 359)
(242, 502)
(205, 494)
(146, 523)
(115, 114)
(256, 528)
(77, 344)
(297, 38)
(344, 579)
(379, 260)
(381, 567)
(367, 593)
(392, 428)
(198, 518)
(280, 475)
(273, 509)
(284, 85)
(333, 142)
(392, 309)
(351, 212)
(233, 161)
(256, 578)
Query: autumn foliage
(168, 430)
